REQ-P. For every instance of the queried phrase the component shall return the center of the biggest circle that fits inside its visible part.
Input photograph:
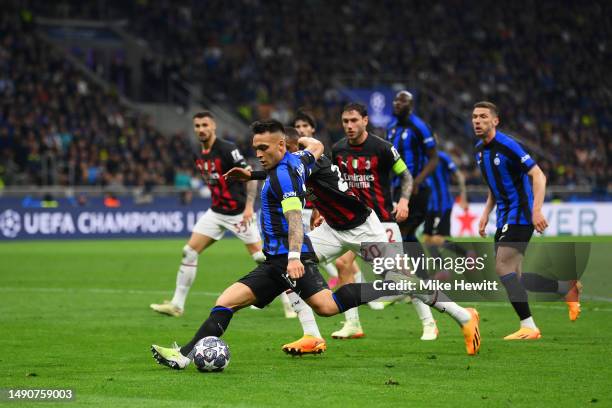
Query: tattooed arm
(401, 210)
(295, 269)
(251, 192)
(406, 184)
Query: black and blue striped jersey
(412, 140)
(504, 165)
(284, 190)
(441, 200)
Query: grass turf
(75, 314)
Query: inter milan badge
(404, 134)
(496, 160)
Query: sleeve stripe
(399, 167)
(275, 184)
(291, 203)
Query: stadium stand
(544, 65)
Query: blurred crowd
(56, 127)
(543, 63)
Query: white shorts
(393, 232)
(306, 214)
(212, 224)
(329, 243)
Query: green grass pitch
(75, 314)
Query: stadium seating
(544, 65)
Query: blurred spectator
(543, 63)
(56, 128)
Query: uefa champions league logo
(377, 107)
(10, 223)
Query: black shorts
(438, 223)
(417, 209)
(514, 235)
(269, 279)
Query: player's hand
(539, 222)
(316, 220)
(295, 269)
(247, 215)
(401, 210)
(238, 173)
(317, 223)
(482, 224)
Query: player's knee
(325, 309)
(503, 267)
(341, 264)
(437, 240)
(190, 255)
(259, 257)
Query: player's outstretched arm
(238, 174)
(314, 146)
(538, 179)
(251, 192)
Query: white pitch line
(539, 306)
(100, 290)
(213, 294)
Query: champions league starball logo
(10, 223)
(377, 106)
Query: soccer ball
(211, 354)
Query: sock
(352, 315)
(185, 276)
(305, 314)
(434, 251)
(442, 303)
(423, 311)
(415, 250)
(454, 247)
(258, 257)
(529, 322)
(215, 325)
(564, 286)
(356, 294)
(517, 295)
(285, 300)
(537, 283)
(331, 270)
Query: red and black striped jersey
(331, 195)
(228, 197)
(366, 168)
